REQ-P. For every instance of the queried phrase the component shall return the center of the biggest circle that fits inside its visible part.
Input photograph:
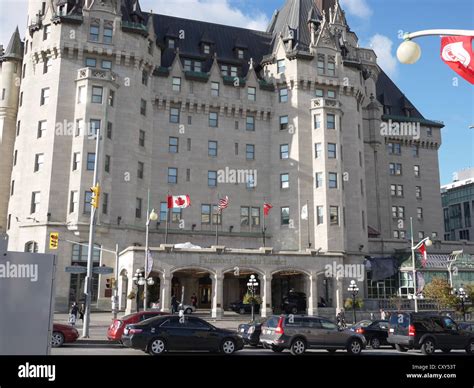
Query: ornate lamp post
(140, 281)
(354, 290)
(151, 216)
(252, 285)
(461, 294)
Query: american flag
(223, 203)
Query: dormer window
(94, 33)
(240, 53)
(108, 33)
(281, 66)
(206, 49)
(227, 70)
(387, 109)
(171, 43)
(190, 65)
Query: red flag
(178, 201)
(457, 53)
(266, 208)
(424, 259)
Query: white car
(188, 309)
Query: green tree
(359, 303)
(470, 292)
(248, 299)
(440, 292)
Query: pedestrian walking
(383, 315)
(73, 314)
(341, 319)
(194, 300)
(174, 304)
(82, 311)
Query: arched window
(31, 247)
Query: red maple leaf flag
(266, 208)
(457, 53)
(178, 201)
(424, 258)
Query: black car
(244, 308)
(469, 326)
(375, 332)
(250, 332)
(294, 302)
(428, 332)
(173, 333)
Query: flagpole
(309, 235)
(167, 217)
(263, 230)
(217, 221)
(413, 264)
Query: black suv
(294, 302)
(428, 332)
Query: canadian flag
(178, 201)
(266, 208)
(457, 53)
(424, 259)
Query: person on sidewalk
(82, 311)
(73, 314)
(174, 304)
(194, 300)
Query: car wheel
(298, 347)
(446, 350)
(277, 349)
(375, 343)
(188, 311)
(470, 347)
(156, 347)
(401, 348)
(57, 339)
(228, 346)
(428, 346)
(241, 310)
(355, 346)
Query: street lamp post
(139, 281)
(354, 290)
(461, 294)
(252, 285)
(150, 216)
(409, 52)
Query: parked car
(299, 333)
(63, 334)
(469, 326)
(250, 332)
(428, 332)
(115, 330)
(294, 303)
(244, 308)
(187, 308)
(375, 332)
(173, 333)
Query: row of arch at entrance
(215, 291)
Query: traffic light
(53, 240)
(95, 196)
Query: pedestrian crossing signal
(53, 240)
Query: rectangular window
(252, 93)
(140, 170)
(206, 214)
(94, 126)
(21, 97)
(321, 66)
(46, 65)
(317, 121)
(362, 187)
(174, 115)
(138, 208)
(283, 95)
(250, 123)
(97, 92)
(250, 152)
(94, 33)
(244, 216)
(171, 43)
(107, 164)
(212, 148)
(281, 66)
(176, 214)
(39, 161)
(76, 159)
(319, 180)
(41, 129)
(285, 215)
(467, 214)
(81, 94)
(421, 235)
(394, 148)
(319, 93)
(236, 148)
(318, 150)
(46, 32)
(106, 64)
(334, 215)
(35, 201)
(396, 234)
(213, 120)
(331, 93)
(145, 77)
(332, 180)
(108, 34)
(419, 213)
(173, 145)
(331, 68)
(255, 216)
(233, 71)
(216, 216)
(284, 152)
(395, 169)
(331, 121)
(190, 120)
(91, 62)
(188, 175)
(163, 211)
(418, 192)
(188, 145)
(215, 89)
(236, 126)
(15, 157)
(176, 84)
(90, 161)
(416, 170)
(111, 98)
(143, 107)
(12, 190)
(206, 49)
(172, 175)
(320, 215)
(212, 178)
(250, 181)
(429, 132)
(284, 181)
(73, 200)
(416, 151)
(44, 96)
(283, 123)
(332, 150)
(240, 54)
(105, 203)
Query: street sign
(103, 270)
(76, 269)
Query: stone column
(313, 294)
(266, 287)
(338, 292)
(217, 295)
(165, 292)
(131, 305)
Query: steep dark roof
(14, 49)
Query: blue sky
(429, 84)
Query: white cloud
(215, 11)
(387, 60)
(358, 8)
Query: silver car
(298, 333)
